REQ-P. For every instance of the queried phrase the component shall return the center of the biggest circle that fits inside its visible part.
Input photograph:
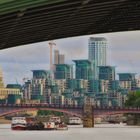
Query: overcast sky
(123, 52)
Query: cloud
(123, 52)
(73, 48)
(17, 71)
(34, 53)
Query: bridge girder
(41, 20)
(77, 113)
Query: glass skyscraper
(97, 53)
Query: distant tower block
(51, 45)
(88, 116)
(56, 57)
(97, 53)
(1, 79)
(61, 59)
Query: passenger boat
(55, 119)
(62, 126)
(18, 123)
(75, 121)
(55, 123)
(30, 123)
(50, 126)
(33, 124)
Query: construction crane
(25, 79)
(51, 45)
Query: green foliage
(133, 99)
(49, 112)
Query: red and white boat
(50, 126)
(18, 123)
(57, 124)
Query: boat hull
(74, 123)
(62, 128)
(18, 127)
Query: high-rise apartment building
(63, 71)
(41, 74)
(27, 90)
(127, 76)
(58, 58)
(83, 69)
(97, 53)
(107, 73)
(61, 59)
(127, 80)
(39, 86)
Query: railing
(45, 105)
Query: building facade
(97, 52)
(84, 69)
(39, 85)
(61, 59)
(63, 71)
(127, 81)
(106, 73)
(58, 58)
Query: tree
(133, 99)
(49, 112)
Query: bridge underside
(24, 22)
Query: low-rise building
(4, 92)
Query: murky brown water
(100, 132)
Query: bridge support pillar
(88, 116)
(133, 119)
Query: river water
(100, 132)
